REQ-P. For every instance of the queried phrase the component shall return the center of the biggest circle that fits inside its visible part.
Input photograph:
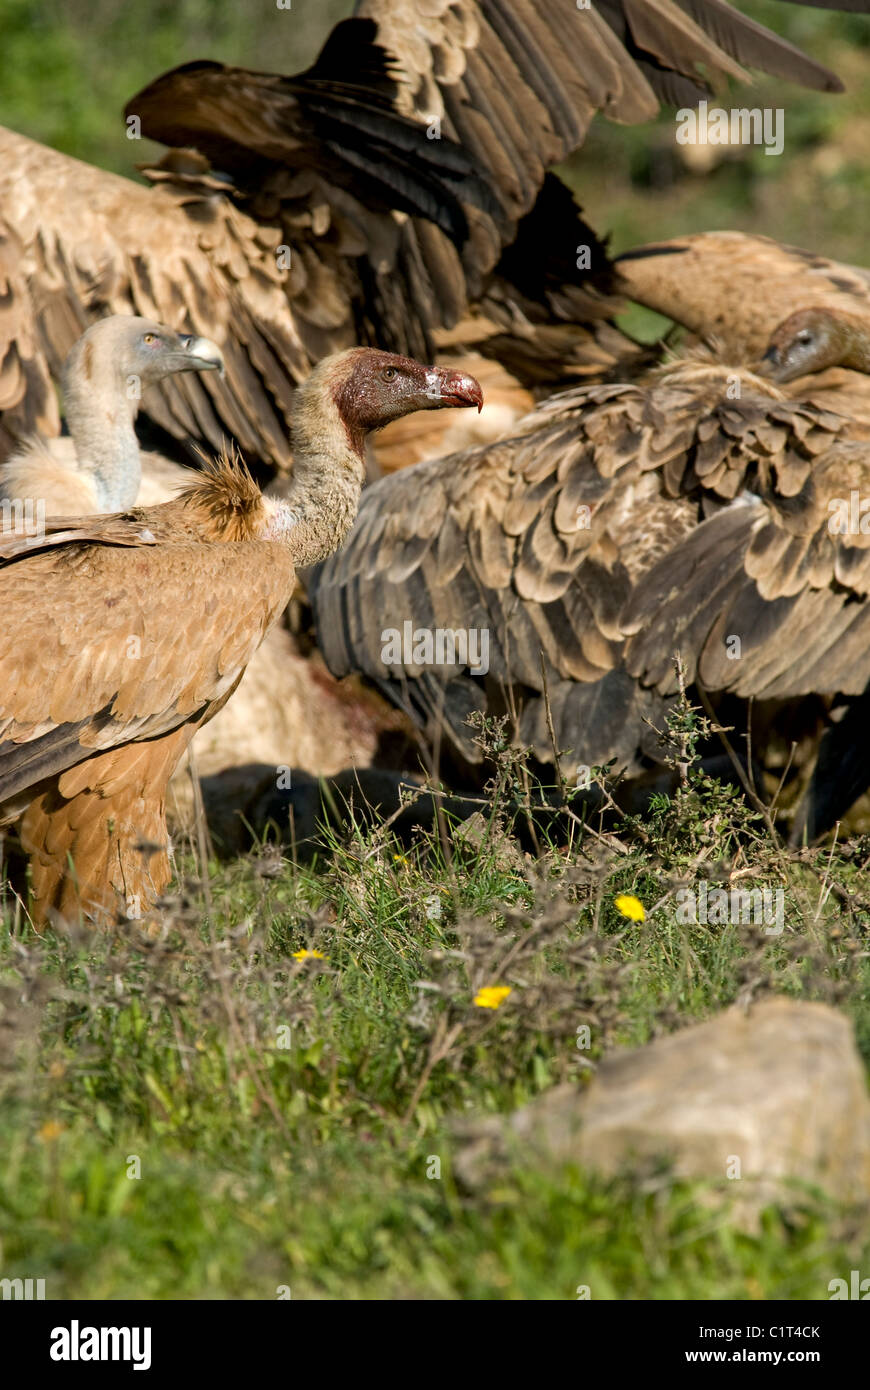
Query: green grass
(284, 1114)
(265, 1166)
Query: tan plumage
(140, 648)
(125, 633)
(735, 288)
(287, 711)
(314, 211)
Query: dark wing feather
(777, 576)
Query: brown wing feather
(341, 220)
(737, 288)
(117, 644)
(96, 244)
(539, 539)
(777, 575)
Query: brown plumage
(123, 634)
(622, 523)
(734, 288)
(539, 539)
(296, 215)
(770, 601)
(287, 711)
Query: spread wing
(107, 644)
(491, 546)
(519, 83)
(737, 288)
(316, 212)
(96, 244)
(540, 539)
(26, 394)
(516, 87)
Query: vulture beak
(456, 389)
(770, 364)
(201, 354)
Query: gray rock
(753, 1102)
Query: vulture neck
(854, 342)
(328, 475)
(100, 420)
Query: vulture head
(810, 340)
(104, 377)
(363, 389)
(133, 353)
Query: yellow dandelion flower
(308, 955)
(492, 996)
(399, 859)
(630, 907)
(50, 1131)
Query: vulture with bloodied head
(123, 634)
(395, 193)
(294, 215)
(621, 524)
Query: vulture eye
(390, 373)
(150, 338)
(805, 336)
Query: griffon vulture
(98, 467)
(573, 546)
(123, 634)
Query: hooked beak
(201, 354)
(769, 362)
(455, 389)
(776, 366)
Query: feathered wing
(106, 643)
(27, 398)
(85, 863)
(319, 213)
(736, 288)
(518, 84)
(768, 599)
(94, 244)
(111, 661)
(540, 540)
(472, 545)
(515, 87)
